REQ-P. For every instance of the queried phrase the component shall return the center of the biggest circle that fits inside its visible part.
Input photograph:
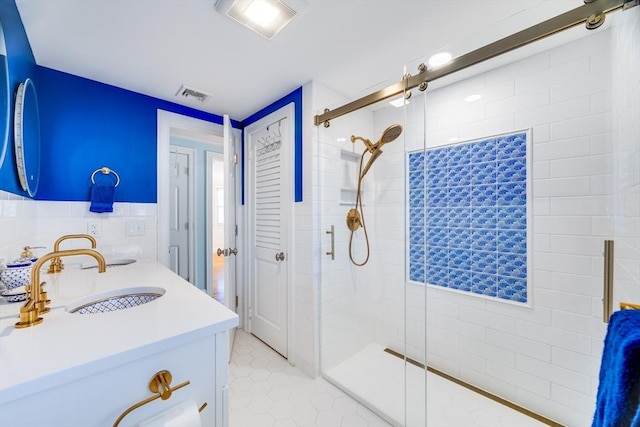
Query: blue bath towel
(102, 197)
(618, 401)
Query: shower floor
(376, 378)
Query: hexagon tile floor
(265, 391)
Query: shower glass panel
(364, 309)
(499, 290)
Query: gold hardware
(160, 385)
(27, 253)
(529, 35)
(326, 123)
(353, 219)
(37, 298)
(607, 299)
(56, 265)
(355, 216)
(629, 306)
(594, 21)
(106, 171)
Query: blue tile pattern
(468, 217)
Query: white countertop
(67, 346)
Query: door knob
(224, 252)
(233, 251)
(280, 256)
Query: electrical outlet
(94, 228)
(135, 228)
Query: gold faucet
(37, 302)
(56, 263)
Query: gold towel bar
(160, 384)
(105, 170)
(629, 306)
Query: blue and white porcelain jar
(18, 272)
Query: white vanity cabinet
(99, 399)
(86, 370)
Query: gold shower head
(390, 134)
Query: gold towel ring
(105, 170)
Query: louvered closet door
(269, 303)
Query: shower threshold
(376, 377)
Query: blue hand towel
(618, 400)
(102, 197)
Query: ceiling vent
(185, 92)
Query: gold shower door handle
(280, 256)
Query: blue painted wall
(86, 125)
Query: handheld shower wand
(355, 216)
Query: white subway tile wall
(26, 222)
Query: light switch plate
(135, 228)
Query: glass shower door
(363, 307)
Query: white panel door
(179, 214)
(269, 142)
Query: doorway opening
(216, 219)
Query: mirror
(26, 122)
(5, 107)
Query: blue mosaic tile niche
(468, 217)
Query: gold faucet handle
(56, 266)
(43, 301)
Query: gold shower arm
(366, 142)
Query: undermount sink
(118, 299)
(112, 263)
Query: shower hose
(360, 218)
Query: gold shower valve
(353, 219)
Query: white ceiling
(351, 46)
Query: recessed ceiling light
(473, 97)
(262, 13)
(266, 17)
(439, 59)
(399, 102)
